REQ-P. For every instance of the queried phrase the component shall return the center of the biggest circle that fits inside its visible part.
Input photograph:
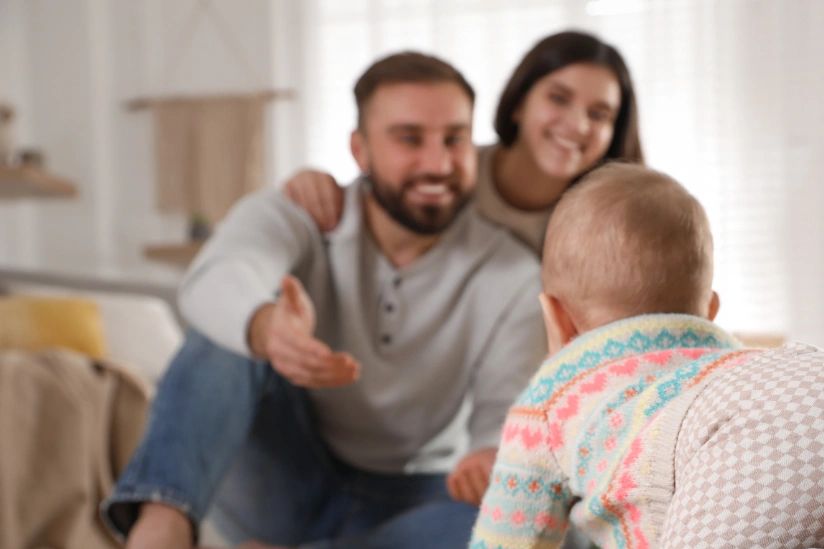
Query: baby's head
(624, 241)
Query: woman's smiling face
(567, 119)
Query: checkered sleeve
(750, 457)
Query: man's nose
(436, 158)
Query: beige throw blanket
(67, 428)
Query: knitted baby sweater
(594, 433)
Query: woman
(568, 106)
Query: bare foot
(160, 527)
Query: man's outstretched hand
(470, 478)
(282, 332)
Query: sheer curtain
(729, 94)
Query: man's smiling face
(415, 145)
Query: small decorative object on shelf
(180, 255)
(23, 173)
(31, 158)
(199, 228)
(6, 134)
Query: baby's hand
(470, 478)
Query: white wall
(804, 220)
(69, 68)
(16, 222)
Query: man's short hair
(628, 240)
(406, 67)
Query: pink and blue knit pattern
(579, 431)
(602, 348)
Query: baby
(648, 425)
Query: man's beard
(423, 220)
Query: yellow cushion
(34, 323)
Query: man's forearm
(259, 241)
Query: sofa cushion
(35, 323)
(141, 331)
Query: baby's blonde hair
(628, 240)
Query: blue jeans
(228, 430)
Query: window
(729, 102)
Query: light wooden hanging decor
(209, 149)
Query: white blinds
(730, 102)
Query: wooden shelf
(179, 255)
(32, 182)
(141, 103)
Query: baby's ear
(714, 305)
(560, 328)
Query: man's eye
(409, 139)
(452, 140)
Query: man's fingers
(297, 347)
(349, 360)
(336, 376)
(307, 362)
(329, 368)
(300, 375)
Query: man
(392, 351)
